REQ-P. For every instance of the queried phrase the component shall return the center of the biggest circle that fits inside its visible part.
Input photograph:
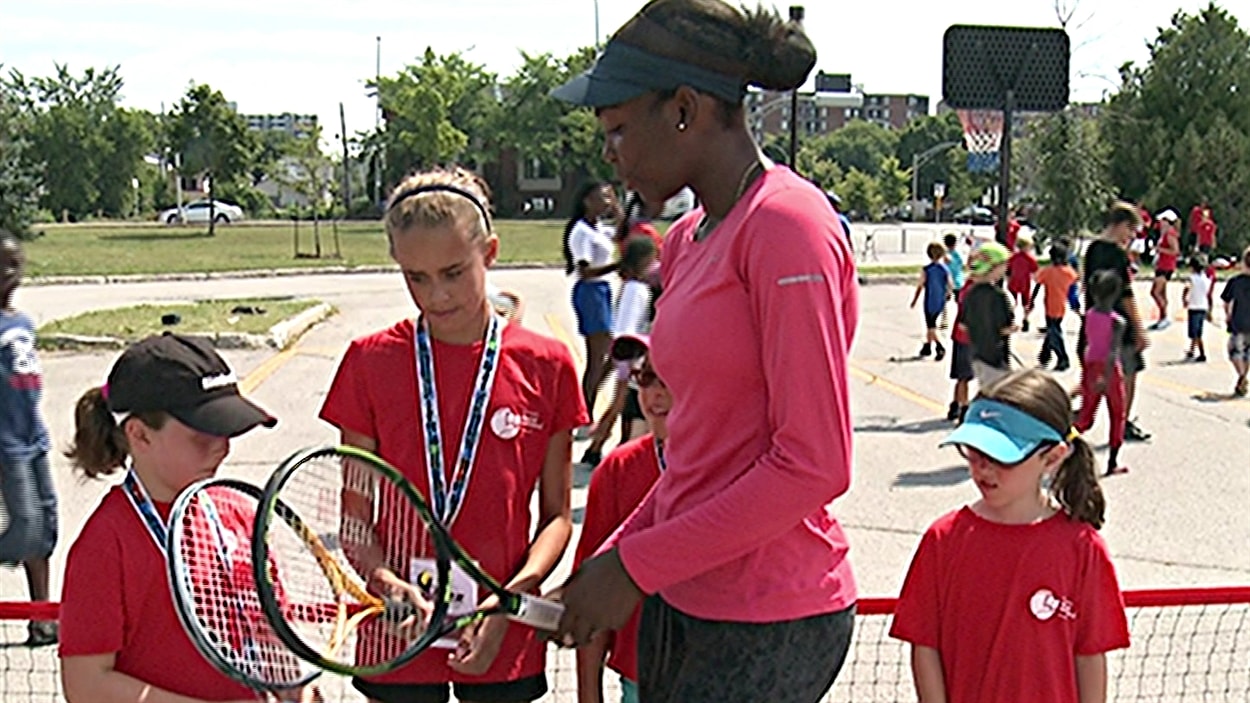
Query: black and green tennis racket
(364, 566)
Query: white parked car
(197, 211)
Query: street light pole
(918, 160)
(796, 16)
(596, 24)
(379, 158)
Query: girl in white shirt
(588, 253)
(633, 317)
(1197, 296)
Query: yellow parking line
(557, 329)
(266, 369)
(873, 379)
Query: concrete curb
(248, 273)
(280, 336)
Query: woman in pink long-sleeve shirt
(751, 596)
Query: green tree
(817, 166)
(212, 139)
(19, 180)
(1187, 104)
(861, 195)
(1072, 182)
(861, 145)
(893, 183)
(88, 148)
(431, 108)
(925, 133)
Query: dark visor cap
(623, 72)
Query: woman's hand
(479, 645)
(600, 597)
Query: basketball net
(983, 137)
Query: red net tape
(1189, 644)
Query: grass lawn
(200, 317)
(128, 248)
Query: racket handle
(538, 613)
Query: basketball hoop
(983, 137)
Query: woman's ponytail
(1075, 485)
(99, 447)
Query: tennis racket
(365, 567)
(213, 585)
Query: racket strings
(214, 557)
(350, 536)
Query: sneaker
(963, 410)
(1189, 355)
(926, 350)
(591, 458)
(1133, 433)
(952, 413)
(1164, 324)
(941, 353)
(42, 633)
(1115, 470)
(1240, 389)
(1062, 366)
(1201, 359)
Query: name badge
(463, 593)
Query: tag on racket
(212, 582)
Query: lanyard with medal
(447, 499)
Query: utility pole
(596, 24)
(380, 160)
(796, 16)
(347, 171)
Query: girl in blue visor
(1013, 597)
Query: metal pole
(596, 24)
(915, 187)
(380, 160)
(1004, 168)
(796, 16)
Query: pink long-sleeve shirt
(752, 335)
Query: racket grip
(538, 613)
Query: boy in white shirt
(1198, 296)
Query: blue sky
(307, 56)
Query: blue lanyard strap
(142, 504)
(447, 502)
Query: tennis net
(1188, 644)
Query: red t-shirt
(1206, 233)
(116, 599)
(1020, 269)
(1146, 221)
(617, 487)
(536, 395)
(959, 333)
(1013, 231)
(1195, 216)
(1009, 607)
(1168, 236)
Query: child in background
(1101, 372)
(935, 284)
(1014, 597)
(961, 357)
(25, 478)
(954, 265)
(988, 316)
(1056, 278)
(618, 486)
(120, 636)
(632, 316)
(1236, 297)
(1020, 270)
(1198, 295)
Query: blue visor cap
(1004, 433)
(623, 72)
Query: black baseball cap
(185, 377)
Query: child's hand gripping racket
(365, 569)
(212, 582)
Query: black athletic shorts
(1165, 275)
(961, 362)
(519, 691)
(684, 659)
